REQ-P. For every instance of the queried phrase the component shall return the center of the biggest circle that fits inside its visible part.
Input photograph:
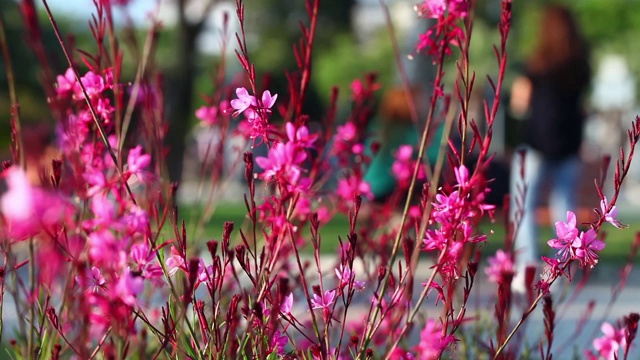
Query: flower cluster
(455, 215)
(256, 111)
(403, 165)
(447, 31)
(284, 163)
(574, 246)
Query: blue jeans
(563, 176)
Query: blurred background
(352, 40)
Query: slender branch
(92, 110)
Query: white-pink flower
(324, 301)
(610, 216)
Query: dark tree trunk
(180, 91)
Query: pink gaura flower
(324, 301)
(27, 209)
(608, 345)
(432, 8)
(243, 102)
(93, 281)
(586, 246)
(93, 84)
(346, 132)
(104, 109)
(611, 214)
(437, 8)
(208, 115)
(356, 89)
(105, 249)
(432, 341)
(248, 104)
(105, 214)
(128, 288)
(287, 304)
(462, 175)
(300, 136)
(352, 185)
(283, 165)
(567, 234)
(401, 354)
(268, 100)
(146, 264)
(278, 342)
(137, 161)
(347, 276)
(66, 83)
(136, 221)
(403, 166)
(499, 264)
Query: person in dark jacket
(548, 97)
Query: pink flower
(267, 100)
(432, 341)
(93, 282)
(136, 220)
(567, 233)
(67, 82)
(586, 245)
(609, 344)
(610, 216)
(403, 166)
(356, 89)
(175, 262)
(105, 109)
(499, 264)
(144, 258)
(433, 8)
(462, 175)
(437, 8)
(243, 102)
(283, 165)
(346, 132)
(324, 301)
(93, 84)
(208, 115)
(287, 304)
(137, 162)
(351, 186)
(278, 342)
(300, 136)
(104, 213)
(129, 287)
(26, 209)
(104, 249)
(346, 277)
(400, 354)
(18, 203)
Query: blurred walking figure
(548, 98)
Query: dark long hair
(561, 49)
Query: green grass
(617, 249)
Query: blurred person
(548, 97)
(394, 129)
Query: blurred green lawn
(617, 249)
